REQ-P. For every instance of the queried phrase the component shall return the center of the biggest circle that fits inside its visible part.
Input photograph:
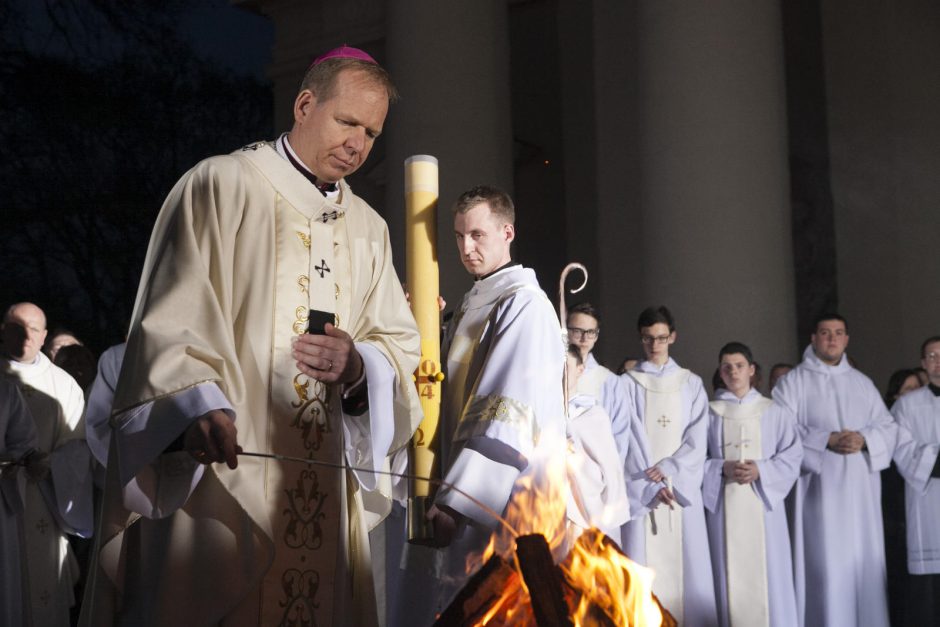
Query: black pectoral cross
(663, 421)
(322, 268)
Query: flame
(610, 582)
(603, 586)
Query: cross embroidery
(322, 268)
(328, 216)
(42, 525)
(663, 421)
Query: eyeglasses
(577, 333)
(932, 357)
(654, 339)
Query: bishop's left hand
(331, 358)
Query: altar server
(918, 417)
(664, 468)
(754, 456)
(848, 439)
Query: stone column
(450, 61)
(713, 177)
(883, 61)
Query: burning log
(595, 586)
(544, 581)
(480, 594)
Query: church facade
(747, 164)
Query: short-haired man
(269, 319)
(597, 381)
(503, 409)
(584, 328)
(754, 455)
(664, 474)
(60, 502)
(836, 526)
(917, 459)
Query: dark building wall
(589, 88)
(882, 63)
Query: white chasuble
(664, 427)
(503, 416)
(745, 546)
(497, 366)
(243, 248)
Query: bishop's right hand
(213, 438)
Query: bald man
(60, 501)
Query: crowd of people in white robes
(778, 503)
(779, 496)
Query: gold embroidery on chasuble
(484, 410)
(301, 314)
(306, 503)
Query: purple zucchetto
(344, 52)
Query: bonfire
(520, 580)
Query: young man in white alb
(754, 455)
(664, 475)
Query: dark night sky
(234, 37)
(51, 42)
